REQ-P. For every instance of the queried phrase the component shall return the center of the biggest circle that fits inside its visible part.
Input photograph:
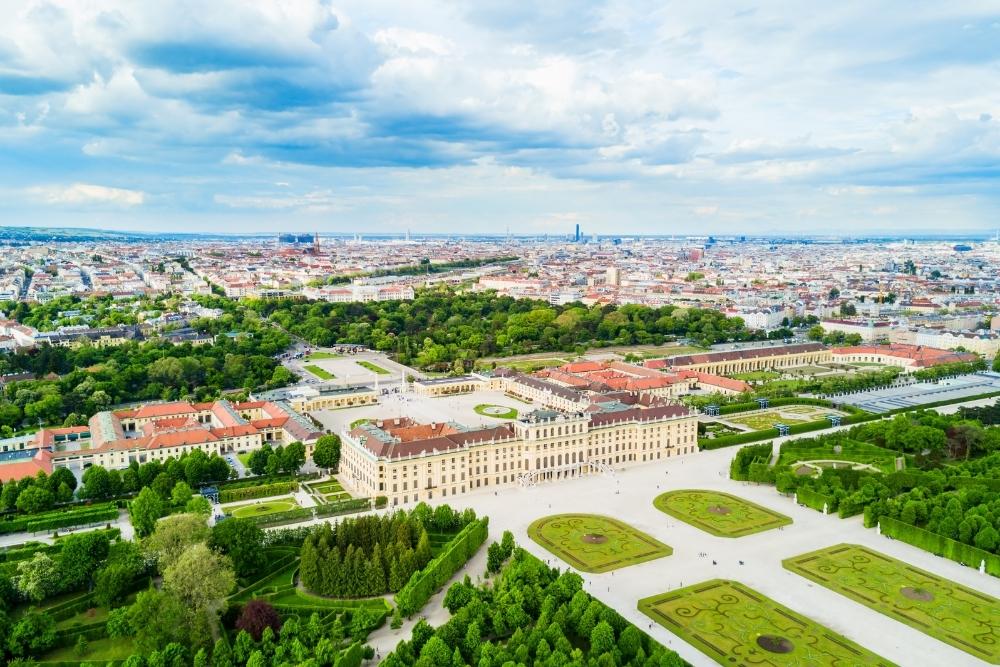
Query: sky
(466, 116)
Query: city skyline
(634, 119)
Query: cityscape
(342, 334)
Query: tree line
(74, 383)
(529, 615)
(374, 554)
(441, 327)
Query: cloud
(87, 193)
(478, 115)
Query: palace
(409, 462)
(155, 432)
(753, 359)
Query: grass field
(952, 613)
(327, 487)
(98, 651)
(320, 356)
(244, 458)
(495, 411)
(261, 509)
(595, 543)
(319, 372)
(372, 367)
(718, 513)
(735, 625)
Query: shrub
(256, 616)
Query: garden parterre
(736, 625)
(718, 513)
(594, 543)
(963, 617)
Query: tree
(326, 452)
(258, 460)
(987, 538)
(494, 558)
(198, 505)
(38, 577)
(293, 457)
(145, 510)
(181, 494)
(112, 585)
(33, 634)
(157, 618)
(602, 639)
(242, 540)
(173, 536)
(257, 615)
(35, 499)
(201, 579)
(80, 558)
(96, 483)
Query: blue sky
(625, 117)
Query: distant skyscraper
(577, 237)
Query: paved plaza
(922, 393)
(628, 496)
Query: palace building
(409, 462)
(155, 432)
(753, 359)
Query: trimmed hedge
(260, 491)
(25, 551)
(739, 468)
(940, 545)
(424, 583)
(307, 513)
(815, 500)
(991, 483)
(74, 518)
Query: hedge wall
(815, 500)
(424, 583)
(739, 468)
(254, 492)
(74, 518)
(991, 483)
(307, 513)
(940, 545)
(25, 551)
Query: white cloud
(87, 193)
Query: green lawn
(963, 617)
(261, 509)
(496, 411)
(319, 356)
(720, 514)
(372, 367)
(358, 422)
(327, 487)
(319, 372)
(593, 543)
(244, 458)
(98, 651)
(736, 625)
